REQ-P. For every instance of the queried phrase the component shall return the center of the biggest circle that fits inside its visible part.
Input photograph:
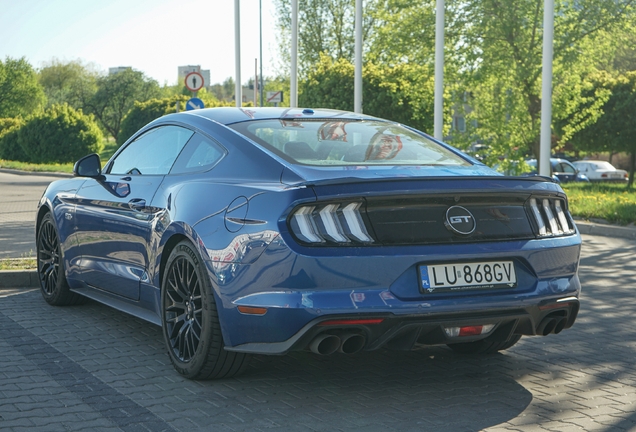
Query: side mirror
(88, 166)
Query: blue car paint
(256, 262)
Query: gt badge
(460, 221)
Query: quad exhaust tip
(347, 343)
(325, 344)
(351, 343)
(551, 325)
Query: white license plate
(616, 175)
(468, 276)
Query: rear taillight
(550, 217)
(338, 223)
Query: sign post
(194, 82)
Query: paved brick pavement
(92, 368)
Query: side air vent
(549, 217)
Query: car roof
(230, 115)
(552, 160)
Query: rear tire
(483, 346)
(51, 273)
(190, 321)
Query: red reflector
(470, 331)
(603, 175)
(554, 306)
(249, 310)
(352, 322)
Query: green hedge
(59, 135)
(9, 147)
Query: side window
(153, 153)
(567, 168)
(199, 155)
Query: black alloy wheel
(190, 322)
(53, 285)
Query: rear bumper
(299, 292)
(404, 332)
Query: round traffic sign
(194, 81)
(194, 103)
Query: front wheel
(53, 285)
(190, 321)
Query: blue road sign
(194, 104)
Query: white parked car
(601, 171)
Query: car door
(565, 172)
(114, 215)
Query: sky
(152, 36)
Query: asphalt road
(19, 196)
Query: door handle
(137, 204)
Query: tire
(53, 284)
(190, 322)
(483, 346)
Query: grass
(110, 147)
(18, 264)
(613, 203)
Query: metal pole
(546, 91)
(237, 53)
(255, 82)
(260, 30)
(357, 82)
(293, 79)
(438, 116)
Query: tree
(501, 53)
(324, 27)
(402, 93)
(20, 92)
(615, 129)
(72, 83)
(116, 95)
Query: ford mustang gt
(270, 230)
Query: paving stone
(98, 369)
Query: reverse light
(468, 330)
(339, 223)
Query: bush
(59, 135)
(143, 113)
(9, 147)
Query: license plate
(468, 276)
(616, 175)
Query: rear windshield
(341, 142)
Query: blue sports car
(270, 230)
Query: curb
(35, 173)
(604, 230)
(18, 279)
(22, 279)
